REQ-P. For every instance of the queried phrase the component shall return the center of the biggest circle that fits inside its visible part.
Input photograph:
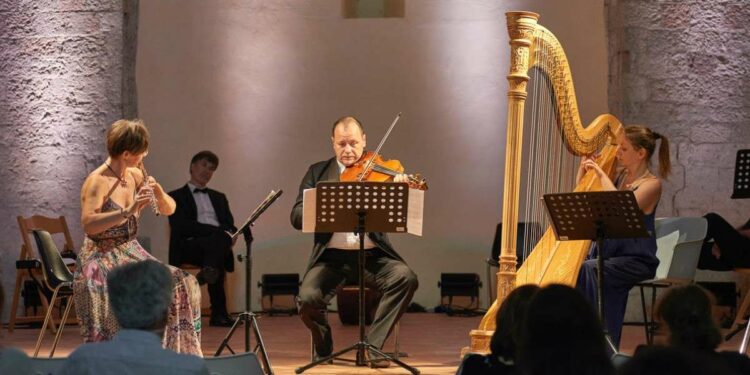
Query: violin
(373, 167)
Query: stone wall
(681, 67)
(61, 85)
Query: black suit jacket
(184, 222)
(328, 170)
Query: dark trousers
(211, 251)
(734, 247)
(620, 275)
(392, 278)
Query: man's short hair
(140, 294)
(207, 156)
(347, 119)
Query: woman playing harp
(631, 260)
(545, 141)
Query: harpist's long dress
(626, 262)
(117, 246)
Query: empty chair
(58, 279)
(239, 364)
(678, 247)
(28, 263)
(47, 366)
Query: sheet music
(414, 215)
(414, 220)
(270, 198)
(308, 211)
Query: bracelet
(123, 213)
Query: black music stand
(247, 317)
(598, 216)
(741, 190)
(741, 184)
(361, 207)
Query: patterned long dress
(116, 246)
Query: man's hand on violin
(401, 177)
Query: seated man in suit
(200, 228)
(334, 256)
(140, 294)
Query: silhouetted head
(509, 321)
(140, 294)
(562, 335)
(684, 314)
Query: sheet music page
(416, 208)
(308, 211)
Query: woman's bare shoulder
(137, 174)
(94, 184)
(95, 178)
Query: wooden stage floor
(433, 342)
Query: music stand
(362, 207)
(741, 190)
(598, 216)
(247, 317)
(741, 184)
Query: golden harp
(547, 148)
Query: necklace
(123, 183)
(634, 184)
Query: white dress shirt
(348, 240)
(206, 213)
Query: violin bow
(377, 150)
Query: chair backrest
(50, 224)
(47, 366)
(680, 262)
(55, 269)
(524, 228)
(242, 363)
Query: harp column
(521, 26)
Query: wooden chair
(28, 266)
(193, 270)
(205, 302)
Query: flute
(154, 203)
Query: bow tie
(198, 190)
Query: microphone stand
(247, 317)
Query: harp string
(550, 167)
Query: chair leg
(653, 307)
(46, 305)
(68, 304)
(46, 321)
(645, 317)
(14, 305)
(397, 353)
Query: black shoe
(325, 348)
(221, 321)
(377, 361)
(207, 275)
(317, 358)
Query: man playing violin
(333, 263)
